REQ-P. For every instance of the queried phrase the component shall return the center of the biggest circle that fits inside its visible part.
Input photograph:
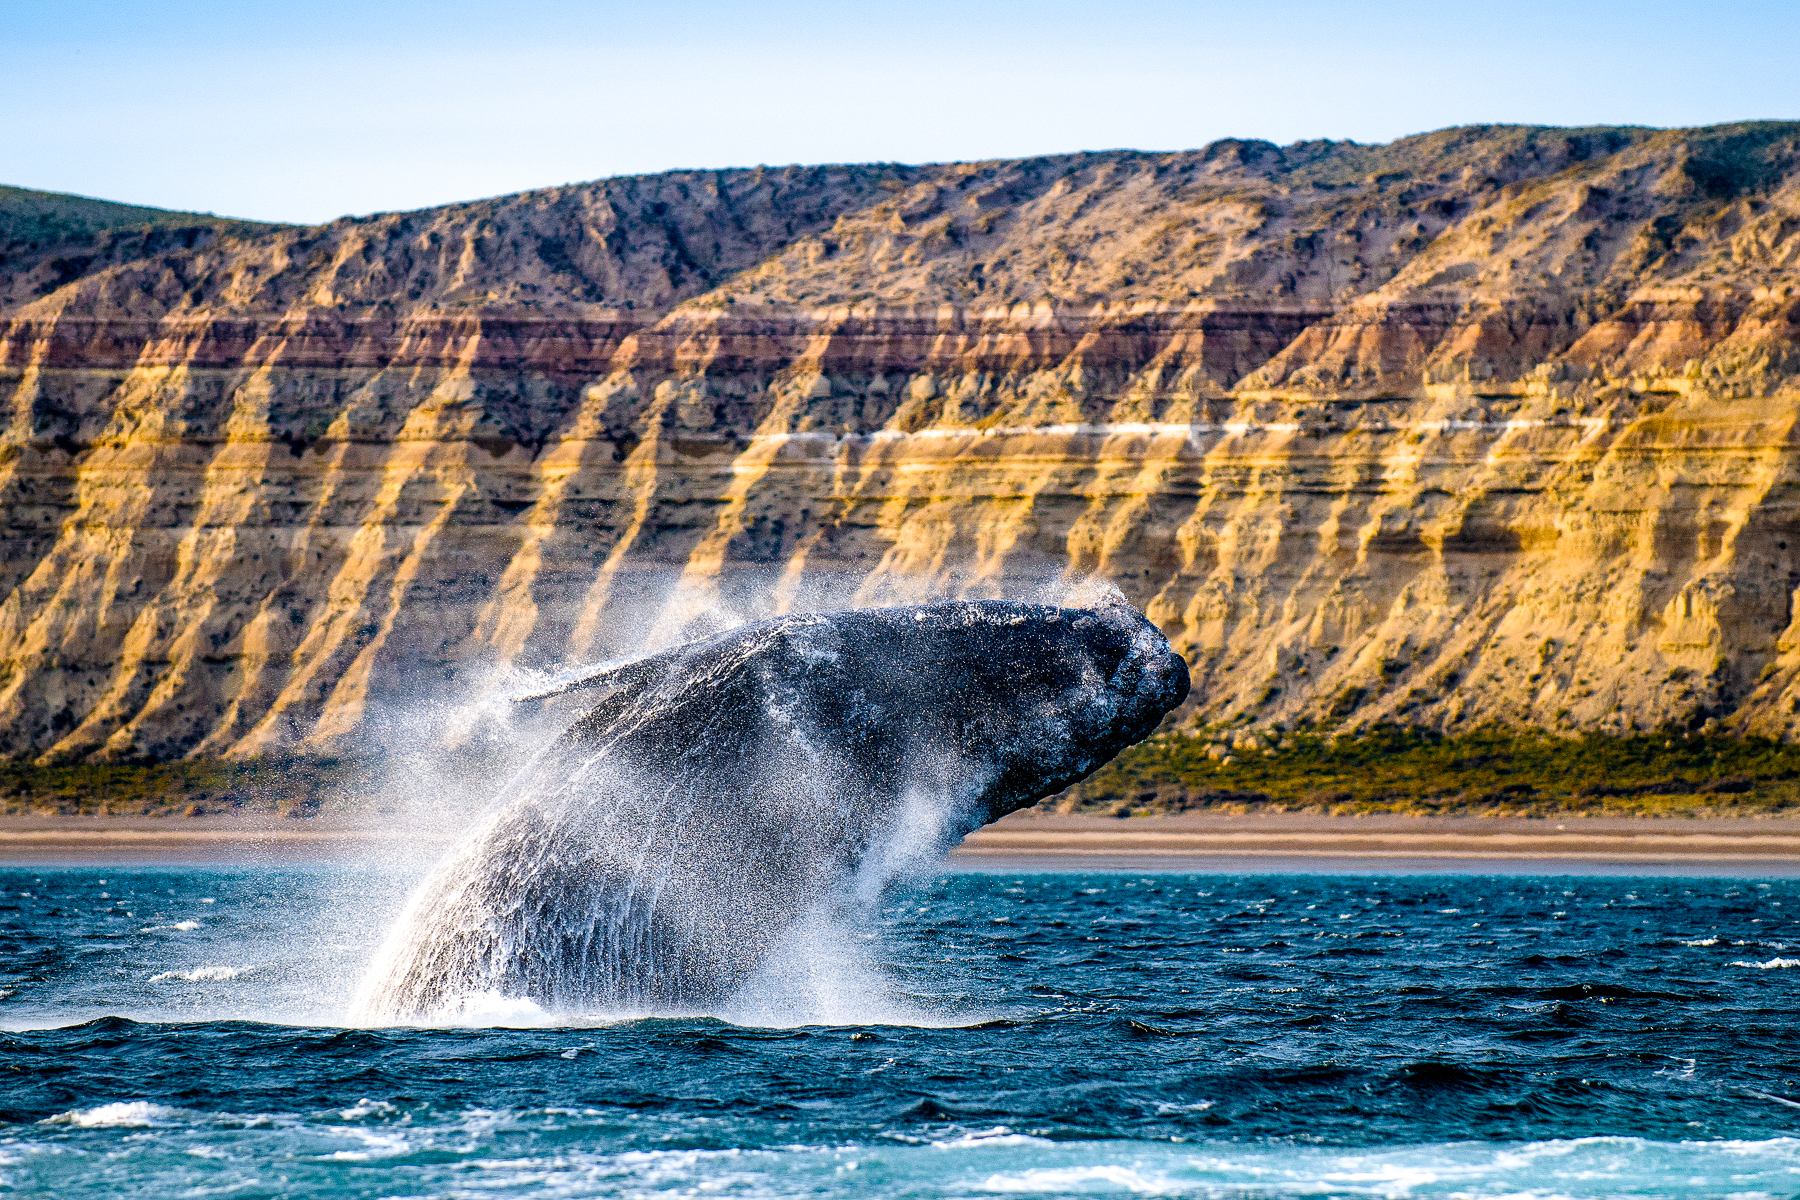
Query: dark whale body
(652, 857)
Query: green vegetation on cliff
(1488, 772)
(32, 218)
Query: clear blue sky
(310, 110)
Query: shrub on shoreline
(297, 787)
(1485, 772)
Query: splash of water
(685, 835)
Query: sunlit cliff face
(1491, 425)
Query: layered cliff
(1493, 424)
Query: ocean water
(179, 1033)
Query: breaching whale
(651, 857)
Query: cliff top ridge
(1478, 213)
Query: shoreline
(1030, 842)
(261, 840)
(1287, 843)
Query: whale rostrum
(652, 856)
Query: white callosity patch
(725, 792)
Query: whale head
(1007, 703)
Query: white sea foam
(368, 1108)
(1776, 1099)
(177, 927)
(1774, 964)
(520, 1151)
(1466, 1170)
(202, 974)
(490, 1009)
(999, 1135)
(375, 1144)
(1711, 941)
(1110, 1178)
(120, 1114)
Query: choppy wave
(1062, 1035)
(542, 1152)
(126, 1114)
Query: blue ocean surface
(180, 1032)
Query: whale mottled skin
(653, 855)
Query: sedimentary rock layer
(1493, 424)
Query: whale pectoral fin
(631, 678)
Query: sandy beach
(211, 839)
(1312, 842)
(1032, 842)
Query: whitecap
(368, 1108)
(375, 1145)
(202, 974)
(1711, 941)
(1062, 1179)
(999, 1135)
(1776, 1099)
(1774, 964)
(177, 927)
(120, 1114)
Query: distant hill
(1496, 426)
(33, 219)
